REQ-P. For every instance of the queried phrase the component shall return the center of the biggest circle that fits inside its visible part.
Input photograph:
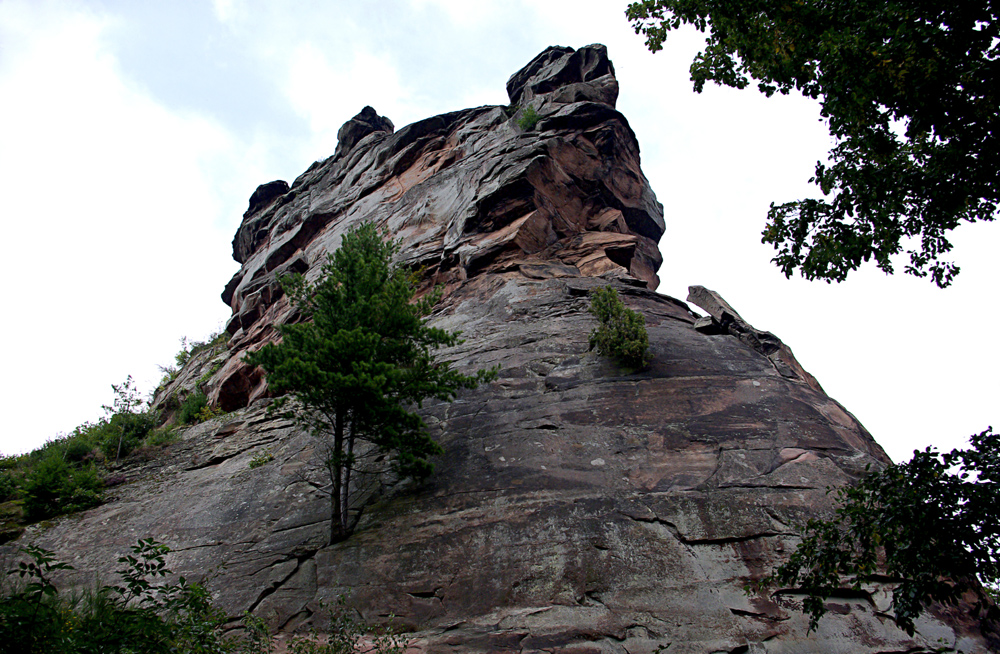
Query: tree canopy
(358, 365)
(929, 527)
(909, 89)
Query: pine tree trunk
(346, 488)
(337, 467)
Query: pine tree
(358, 366)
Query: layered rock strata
(577, 508)
(470, 193)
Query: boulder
(353, 131)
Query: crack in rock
(276, 585)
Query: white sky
(132, 135)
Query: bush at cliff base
(140, 616)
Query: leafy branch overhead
(929, 526)
(911, 93)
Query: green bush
(261, 459)
(529, 119)
(8, 485)
(160, 436)
(621, 333)
(191, 407)
(78, 449)
(126, 429)
(141, 614)
(52, 487)
(347, 634)
(136, 615)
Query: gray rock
(707, 325)
(726, 319)
(566, 75)
(357, 128)
(265, 194)
(577, 508)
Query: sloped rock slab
(576, 508)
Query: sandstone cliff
(577, 508)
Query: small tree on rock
(621, 333)
(358, 366)
(123, 414)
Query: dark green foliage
(52, 487)
(26, 614)
(261, 459)
(621, 333)
(359, 365)
(123, 432)
(135, 615)
(192, 407)
(78, 449)
(529, 119)
(930, 525)
(911, 93)
(63, 476)
(8, 485)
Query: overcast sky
(133, 133)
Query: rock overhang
(466, 193)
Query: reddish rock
(577, 508)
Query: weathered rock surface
(576, 508)
(469, 193)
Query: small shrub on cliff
(195, 409)
(126, 426)
(191, 407)
(188, 350)
(53, 487)
(621, 333)
(79, 449)
(261, 459)
(529, 119)
(160, 436)
(122, 433)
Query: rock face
(577, 508)
(469, 193)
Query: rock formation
(577, 508)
